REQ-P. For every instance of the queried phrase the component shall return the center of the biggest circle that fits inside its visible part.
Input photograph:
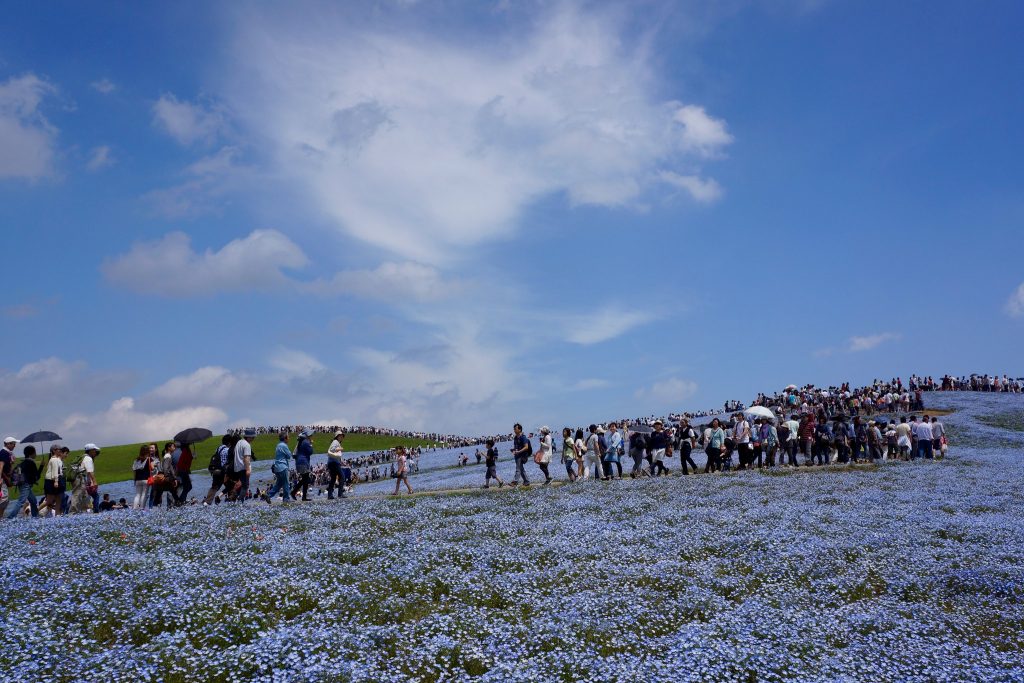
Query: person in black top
(687, 437)
(25, 476)
(492, 466)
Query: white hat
(90, 447)
(10, 439)
(600, 429)
(545, 430)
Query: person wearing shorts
(401, 471)
(491, 461)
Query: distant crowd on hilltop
(837, 424)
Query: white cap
(10, 439)
(90, 447)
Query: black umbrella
(192, 435)
(40, 437)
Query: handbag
(538, 457)
(150, 480)
(91, 489)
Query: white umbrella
(791, 387)
(759, 411)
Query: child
(492, 466)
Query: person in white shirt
(243, 462)
(923, 429)
(92, 451)
(592, 454)
(938, 432)
(741, 437)
(335, 465)
(543, 456)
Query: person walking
(741, 439)
(687, 440)
(613, 453)
(521, 450)
(54, 483)
(6, 471)
(543, 455)
(243, 463)
(218, 469)
(637, 448)
(335, 456)
(280, 468)
(657, 443)
(183, 470)
(491, 462)
(141, 472)
(402, 471)
(23, 477)
(592, 453)
(581, 448)
(714, 446)
(88, 468)
(303, 455)
(568, 453)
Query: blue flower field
(896, 572)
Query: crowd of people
(836, 424)
(437, 439)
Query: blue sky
(459, 215)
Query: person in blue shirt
(303, 455)
(282, 463)
(521, 451)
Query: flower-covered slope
(907, 571)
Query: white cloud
(702, 134)
(871, 341)
(103, 86)
(590, 384)
(188, 122)
(396, 283)
(206, 182)
(122, 422)
(292, 363)
(100, 157)
(26, 138)
(705, 191)
(602, 325)
(425, 146)
(210, 385)
(1015, 304)
(670, 390)
(252, 262)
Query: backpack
(215, 468)
(18, 476)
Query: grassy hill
(115, 462)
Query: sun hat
(545, 430)
(600, 429)
(90, 447)
(250, 432)
(11, 439)
(339, 433)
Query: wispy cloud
(599, 326)
(100, 158)
(103, 86)
(1015, 304)
(189, 122)
(27, 139)
(669, 390)
(391, 282)
(871, 341)
(702, 190)
(428, 145)
(857, 344)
